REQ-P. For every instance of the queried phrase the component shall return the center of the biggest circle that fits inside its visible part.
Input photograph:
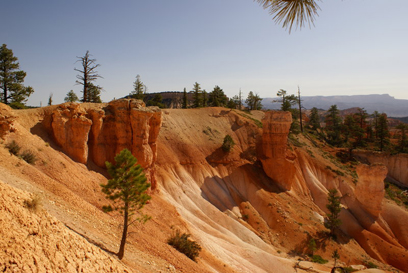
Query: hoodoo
(277, 161)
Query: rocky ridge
(246, 217)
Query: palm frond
(289, 12)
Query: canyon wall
(98, 132)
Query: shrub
(183, 244)
(349, 269)
(318, 259)
(28, 157)
(372, 265)
(34, 203)
(228, 143)
(13, 147)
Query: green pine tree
(11, 80)
(127, 189)
(334, 208)
(197, 95)
(71, 97)
(185, 100)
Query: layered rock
(396, 164)
(277, 161)
(6, 120)
(102, 131)
(370, 187)
(70, 128)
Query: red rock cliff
(370, 187)
(277, 162)
(100, 131)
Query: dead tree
(87, 75)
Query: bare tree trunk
(300, 111)
(121, 252)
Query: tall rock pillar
(276, 161)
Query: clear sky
(355, 47)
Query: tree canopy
(127, 189)
(11, 80)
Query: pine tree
(71, 97)
(383, 132)
(139, 89)
(11, 80)
(314, 121)
(197, 95)
(217, 98)
(205, 99)
(50, 100)
(333, 126)
(127, 189)
(94, 93)
(402, 138)
(334, 208)
(253, 101)
(185, 100)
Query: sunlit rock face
(395, 163)
(70, 128)
(99, 132)
(370, 187)
(277, 161)
(6, 120)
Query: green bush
(318, 259)
(228, 143)
(183, 244)
(28, 156)
(371, 265)
(13, 147)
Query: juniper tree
(127, 189)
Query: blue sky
(355, 47)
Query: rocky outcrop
(370, 187)
(277, 161)
(70, 128)
(397, 165)
(100, 131)
(6, 120)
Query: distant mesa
(382, 103)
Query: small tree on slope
(126, 189)
(334, 208)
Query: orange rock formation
(101, 132)
(370, 187)
(277, 161)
